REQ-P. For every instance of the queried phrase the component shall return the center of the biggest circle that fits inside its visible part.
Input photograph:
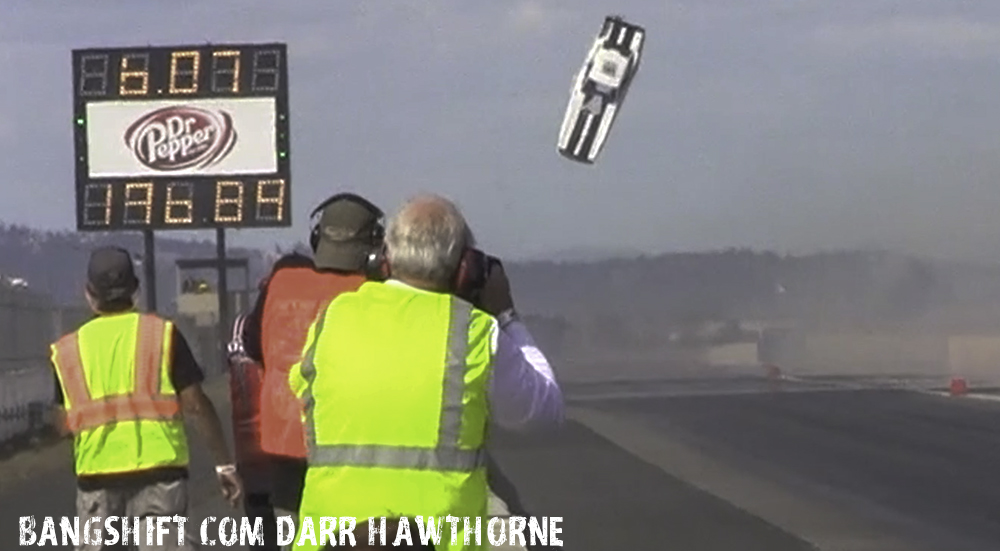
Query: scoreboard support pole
(149, 269)
(223, 287)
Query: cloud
(707, 10)
(528, 15)
(536, 17)
(950, 36)
(759, 122)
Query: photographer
(417, 373)
(345, 236)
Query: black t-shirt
(184, 372)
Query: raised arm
(524, 394)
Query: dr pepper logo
(179, 137)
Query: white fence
(24, 397)
(29, 322)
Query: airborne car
(599, 89)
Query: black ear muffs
(377, 264)
(377, 231)
(314, 237)
(470, 277)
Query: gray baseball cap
(111, 274)
(349, 228)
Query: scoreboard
(187, 137)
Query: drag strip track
(925, 467)
(582, 392)
(610, 499)
(42, 484)
(713, 464)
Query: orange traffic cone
(773, 377)
(773, 371)
(958, 386)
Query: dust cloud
(688, 315)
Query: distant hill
(586, 254)
(55, 262)
(735, 283)
(744, 284)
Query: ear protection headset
(375, 262)
(469, 278)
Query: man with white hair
(401, 378)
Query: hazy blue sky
(769, 123)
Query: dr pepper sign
(185, 137)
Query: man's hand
(232, 486)
(495, 297)
(57, 416)
(200, 411)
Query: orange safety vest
(145, 402)
(295, 296)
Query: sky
(790, 125)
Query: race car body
(600, 88)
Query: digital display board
(184, 137)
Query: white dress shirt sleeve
(524, 393)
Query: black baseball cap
(349, 227)
(111, 275)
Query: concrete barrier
(29, 323)
(858, 353)
(625, 365)
(25, 396)
(27, 327)
(734, 354)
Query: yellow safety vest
(120, 403)
(394, 386)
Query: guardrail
(25, 397)
(28, 324)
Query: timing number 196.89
(184, 203)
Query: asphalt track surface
(709, 465)
(736, 463)
(41, 483)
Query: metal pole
(149, 269)
(223, 287)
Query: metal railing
(29, 323)
(25, 396)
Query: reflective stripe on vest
(145, 402)
(447, 456)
